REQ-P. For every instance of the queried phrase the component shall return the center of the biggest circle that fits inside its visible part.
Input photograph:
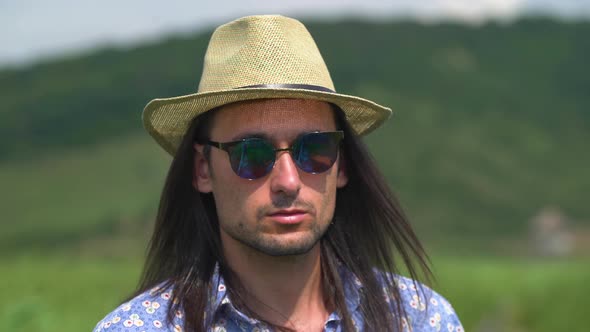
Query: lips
(288, 216)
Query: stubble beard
(272, 245)
(276, 244)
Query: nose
(285, 175)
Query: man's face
(287, 211)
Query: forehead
(276, 118)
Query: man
(274, 216)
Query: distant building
(550, 233)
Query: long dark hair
(369, 231)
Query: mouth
(288, 217)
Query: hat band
(288, 86)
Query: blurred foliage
(491, 123)
(80, 194)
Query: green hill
(491, 123)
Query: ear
(201, 172)
(342, 177)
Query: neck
(283, 290)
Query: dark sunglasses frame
(337, 136)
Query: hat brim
(167, 119)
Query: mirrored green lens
(317, 152)
(252, 158)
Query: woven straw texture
(256, 50)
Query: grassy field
(511, 295)
(61, 293)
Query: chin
(286, 251)
(276, 247)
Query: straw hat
(257, 57)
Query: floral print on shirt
(426, 311)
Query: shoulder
(425, 309)
(146, 312)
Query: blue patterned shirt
(426, 310)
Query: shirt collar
(219, 299)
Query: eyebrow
(250, 135)
(263, 135)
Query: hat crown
(267, 49)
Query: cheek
(229, 200)
(324, 190)
(330, 204)
(236, 199)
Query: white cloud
(471, 11)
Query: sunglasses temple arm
(218, 145)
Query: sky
(33, 30)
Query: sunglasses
(253, 158)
